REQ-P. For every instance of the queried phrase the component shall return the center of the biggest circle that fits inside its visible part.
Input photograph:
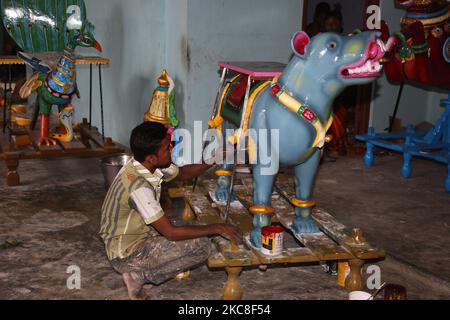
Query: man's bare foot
(183, 276)
(134, 287)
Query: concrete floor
(55, 214)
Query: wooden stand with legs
(332, 244)
(88, 143)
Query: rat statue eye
(332, 45)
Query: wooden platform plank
(289, 255)
(239, 215)
(323, 247)
(319, 244)
(244, 257)
(244, 192)
(202, 208)
(233, 259)
(236, 255)
(333, 244)
(73, 145)
(245, 223)
(93, 134)
(231, 256)
(335, 230)
(45, 150)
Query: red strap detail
(309, 115)
(275, 90)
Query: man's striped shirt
(131, 206)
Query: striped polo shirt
(131, 206)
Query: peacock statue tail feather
(30, 86)
(172, 111)
(40, 25)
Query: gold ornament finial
(159, 109)
(163, 80)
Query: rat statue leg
(262, 209)
(304, 180)
(223, 183)
(226, 172)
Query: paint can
(272, 240)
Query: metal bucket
(111, 166)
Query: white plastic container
(359, 295)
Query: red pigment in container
(272, 240)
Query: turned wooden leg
(232, 289)
(187, 215)
(12, 163)
(84, 137)
(354, 281)
(109, 143)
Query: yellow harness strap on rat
(304, 112)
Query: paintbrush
(376, 292)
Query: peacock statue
(48, 26)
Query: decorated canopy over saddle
(422, 47)
(432, 13)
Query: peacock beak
(97, 46)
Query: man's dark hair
(336, 13)
(321, 10)
(146, 139)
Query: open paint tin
(272, 240)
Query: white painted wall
(234, 30)
(131, 35)
(434, 108)
(141, 37)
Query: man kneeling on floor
(141, 242)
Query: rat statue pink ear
(300, 43)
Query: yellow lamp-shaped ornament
(162, 107)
